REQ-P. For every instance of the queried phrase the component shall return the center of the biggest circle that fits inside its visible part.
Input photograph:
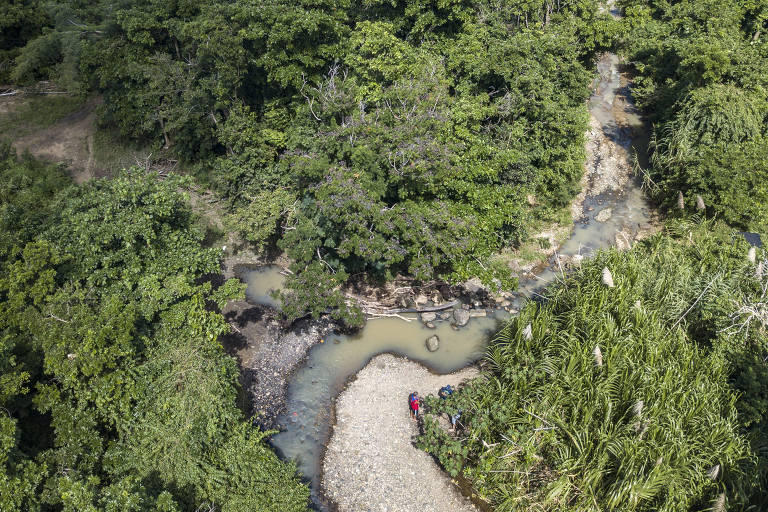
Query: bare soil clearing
(371, 463)
(62, 129)
(69, 141)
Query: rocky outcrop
(428, 317)
(461, 317)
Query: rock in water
(428, 317)
(473, 286)
(607, 278)
(433, 343)
(700, 203)
(461, 317)
(604, 215)
(680, 201)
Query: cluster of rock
(458, 317)
(478, 301)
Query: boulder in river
(604, 215)
(433, 343)
(474, 286)
(478, 313)
(428, 317)
(461, 317)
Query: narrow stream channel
(313, 388)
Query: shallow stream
(329, 365)
(313, 387)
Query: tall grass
(616, 398)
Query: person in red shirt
(413, 402)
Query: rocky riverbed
(268, 355)
(371, 463)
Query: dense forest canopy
(370, 138)
(365, 140)
(703, 79)
(115, 390)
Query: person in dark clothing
(455, 418)
(445, 392)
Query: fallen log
(374, 316)
(427, 309)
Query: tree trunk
(427, 309)
(165, 134)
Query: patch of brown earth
(69, 141)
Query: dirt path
(88, 174)
(371, 463)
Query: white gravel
(371, 463)
(608, 167)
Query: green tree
(119, 395)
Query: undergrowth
(641, 396)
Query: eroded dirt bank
(371, 463)
(68, 141)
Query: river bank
(297, 378)
(611, 210)
(371, 463)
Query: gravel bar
(371, 463)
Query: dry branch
(427, 309)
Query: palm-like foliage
(644, 427)
(717, 113)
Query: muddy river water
(617, 133)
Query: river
(613, 209)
